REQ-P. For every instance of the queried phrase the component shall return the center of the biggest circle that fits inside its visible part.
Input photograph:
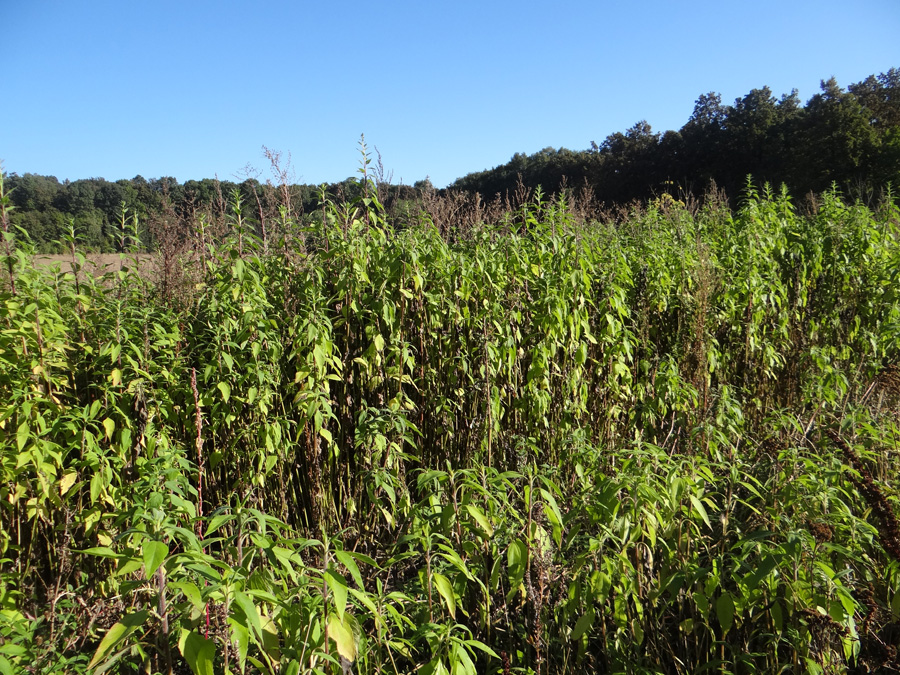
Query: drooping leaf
(479, 516)
(445, 588)
(116, 634)
(701, 510)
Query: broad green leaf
(725, 612)
(338, 586)
(154, 553)
(217, 521)
(115, 635)
(109, 426)
(777, 615)
(22, 435)
(445, 588)
(478, 644)
(240, 634)
(583, 624)
(225, 389)
(895, 605)
(198, 651)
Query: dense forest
(850, 138)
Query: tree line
(850, 138)
(101, 210)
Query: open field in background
(526, 440)
(96, 263)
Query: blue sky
(194, 89)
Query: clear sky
(194, 88)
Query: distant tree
(836, 135)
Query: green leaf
(480, 518)
(348, 562)
(241, 637)
(725, 612)
(478, 644)
(250, 611)
(583, 624)
(895, 605)
(225, 389)
(102, 552)
(445, 588)
(199, 652)
(109, 426)
(338, 586)
(154, 553)
(217, 521)
(116, 634)
(701, 510)
(22, 435)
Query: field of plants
(532, 439)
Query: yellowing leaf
(109, 426)
(341, 631)
(67, 481)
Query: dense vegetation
(849, 138)
(525, 441)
